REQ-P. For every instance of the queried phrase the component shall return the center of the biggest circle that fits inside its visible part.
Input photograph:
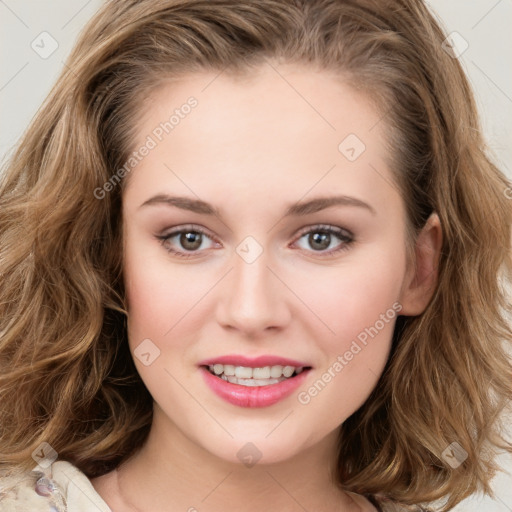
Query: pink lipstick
(253, 362)
(253, 386)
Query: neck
(172, 469)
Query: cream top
(60, 488)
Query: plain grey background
(36, 37)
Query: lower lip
(257, 396)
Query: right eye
(190, 241)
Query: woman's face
(302, 258)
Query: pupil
(190, 240)
(323, 239)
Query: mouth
(255, 376)
(253, 381)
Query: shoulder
(60, 488)
(370, 503)
(366, 503)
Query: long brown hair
(67, 376)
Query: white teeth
(261, 373)
(229, 369)
(288, 371)
(276, 371)
(266, 373)
(252, 382)
(243, 372)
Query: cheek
(157, 295)
(359, 304)
(355, 295)
(351, 372)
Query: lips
(260, 393)
(255, 362)
(259, 396)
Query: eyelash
(344, 235)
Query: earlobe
(421, 279)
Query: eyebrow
(297, 209)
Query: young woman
(254, 255)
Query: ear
(421, 277)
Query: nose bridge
(254, 300)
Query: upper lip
(253, 362)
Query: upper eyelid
(327, 227)
(196, 227)
(188, 227)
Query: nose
(253, 300)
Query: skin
(252, 147)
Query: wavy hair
(67, 376)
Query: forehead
(283, 128)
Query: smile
(245, 387)
(247, 376)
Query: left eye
(321, 238)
